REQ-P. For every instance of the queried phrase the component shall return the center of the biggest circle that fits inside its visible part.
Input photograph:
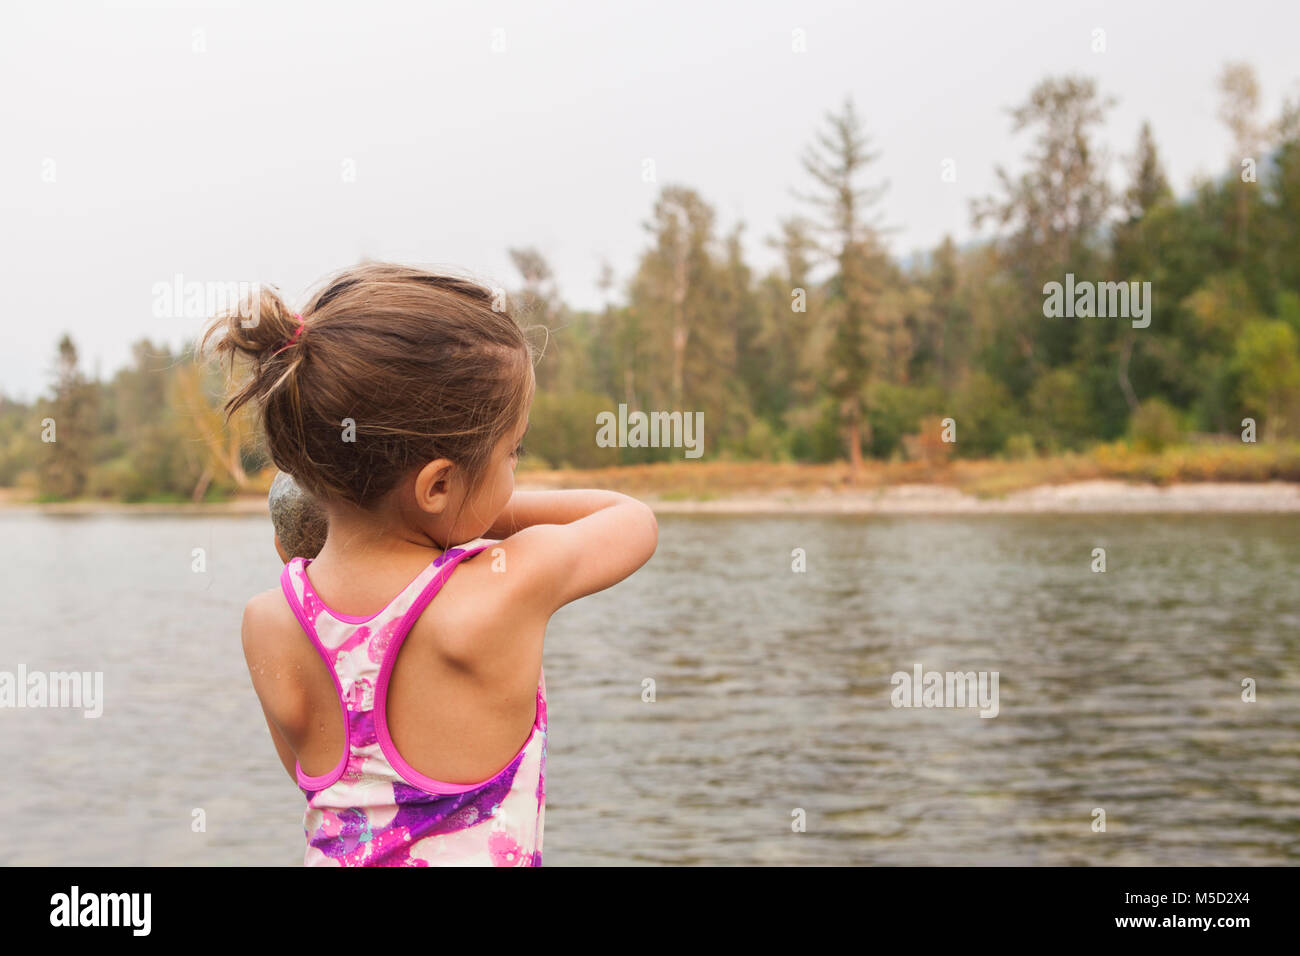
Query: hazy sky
(228, 163)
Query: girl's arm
(528, 508)
(273, 650)
(562, 545)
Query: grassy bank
(706, 481)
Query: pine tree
(67, 428)
(849, 224)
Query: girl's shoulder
(483, 609)
(272, 637)
(276, 652)
(269, 623)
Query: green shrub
(1060, 416)
(1020, 447)
(1155, 425)
(762, 442)
(815, 433)
(985, 414)
(562, 431)
(895, 411)
(116, 480)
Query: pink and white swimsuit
(374, 809)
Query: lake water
(1119, 691)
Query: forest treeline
(842, 351)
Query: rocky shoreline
(1082, 497)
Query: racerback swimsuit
(374, 809)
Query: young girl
(400, 670)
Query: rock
(300, 523)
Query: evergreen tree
(67, 428)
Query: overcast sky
(130, 156)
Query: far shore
(1099, 496)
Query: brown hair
(422, 363)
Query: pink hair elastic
(296, 333)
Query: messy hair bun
(388, 368)
(260, 331)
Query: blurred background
(826, 226)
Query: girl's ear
(433, 486)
